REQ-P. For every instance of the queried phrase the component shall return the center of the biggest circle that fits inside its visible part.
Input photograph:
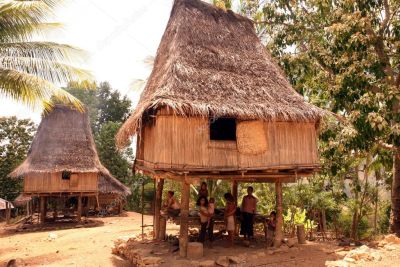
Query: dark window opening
(223, 129)
(66, 175)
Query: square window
(223, 129)
(66, 175)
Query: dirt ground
(92, 247)
(72, 247)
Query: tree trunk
(376, 199)
(354, 225)
(395, 212)
(323, 224)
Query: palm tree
(32, 71)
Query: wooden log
(301, 234)
(8, 212)
(279, 214)
(79, 214)
(42, 209)
(157, 208)
(184, 227)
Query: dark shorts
(246, 226)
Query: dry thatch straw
(210, 62)
(64, 142)
(110, 185)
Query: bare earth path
(72, 247)
(92, 247)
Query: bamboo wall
(179, 141)
(53, 183)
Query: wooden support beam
(235, 190)
(279, 214)
(163, 228)
(157, 208)
(184, 227)
(79, 215)
(42, 209)
(8, 212)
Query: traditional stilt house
(217, 106)
(63, 162)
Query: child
(203, 192)
(204, 217)
(270, 229)
(211, 210)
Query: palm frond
(29, 71)
(44, 50)
(55, 72)
(33, 91)
(22, 32)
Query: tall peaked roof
(63, 142)
(210, 62)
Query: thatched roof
(3, 204)
(110, 185)
(63, 142)
(210, 62)
(22, 199)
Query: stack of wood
(126, 248)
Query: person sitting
(248, 211)
(270, 228)
(171, 206)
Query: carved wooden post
(279, 214)
(183, 235)
(157, 208)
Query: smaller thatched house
(63, 162)
(112, 195)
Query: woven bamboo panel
(251, 137)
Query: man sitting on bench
(171, 206)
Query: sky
(118, 36)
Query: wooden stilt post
(42, 209)
(27, 209)
(235, 190)
(235, 196)
(79, 217)
(142, 202)
(8, 212)
(183, 234)
(279, 214)
(157, 208)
